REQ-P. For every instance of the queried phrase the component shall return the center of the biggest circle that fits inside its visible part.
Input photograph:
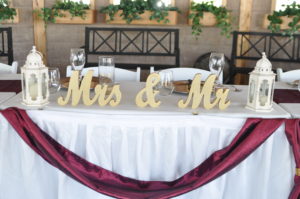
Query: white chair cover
(289, 76)
(186, 73)
(7, 69)
(120, 74)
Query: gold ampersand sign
(147, 95)
(76, 92)
(198, 94)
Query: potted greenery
(285, 21)
(68, 12)
(140, 12)
(7, 14)
(207, 14)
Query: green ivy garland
(132, 9)
(76, 9)
(292, 10)
(222, 16)
(6, 13)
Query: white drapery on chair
(7, 69)
(120, 74)
(288, 76)
(187, 73)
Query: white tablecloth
(145, 144)
(292, 108)
(145, 147)
(5, 96)
(10, 76)
(168, 106)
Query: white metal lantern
(35, 80)
(261, 86)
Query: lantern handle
(35, 51)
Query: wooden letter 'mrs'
(83, 91)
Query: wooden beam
(244, 25)
(39, 29)
(245, 15)
(11, 4)
(224, 3)
(273, 5)
(92, 4)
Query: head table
(146, 144)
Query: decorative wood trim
(15, 20)
(172, 16)
(39, 29)
(90, 18)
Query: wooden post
(11, 4)
(224, 2)
(39, 30)
(273, 5)
(92, 4)
(244, 25)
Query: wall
(22, 32)
(60, 38)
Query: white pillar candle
(33, 89)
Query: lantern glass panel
(44, 86)
(252, 91)
(264, 92)
(24, 85)
(33, 87)
(272, 95)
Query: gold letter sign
(148, 93)
(114, 98)
(196, 94)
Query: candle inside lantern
(33, 91)
(33, 87)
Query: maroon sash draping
(10, 86)
(292, 130)
(286, 96)
(250, 137)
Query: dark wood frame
(267, 42)
(140, 42)
(6, 44)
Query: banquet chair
(288, 76)
(159, 44)
(120, 74)
(248, 47)
(6, 44)
(185, 73)
(7, 69)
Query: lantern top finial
(263, 66)
(34, 59)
